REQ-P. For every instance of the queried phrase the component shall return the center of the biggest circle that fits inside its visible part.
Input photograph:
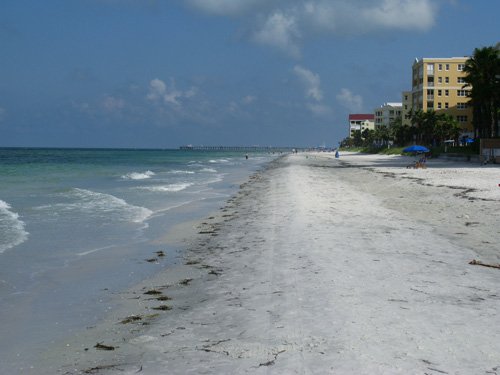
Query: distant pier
(240, 148)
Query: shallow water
(76, 224)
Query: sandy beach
(319, 265)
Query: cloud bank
(287, 24)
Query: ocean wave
(101, 205)
(92, 201)
(12, 229)
(209, 170)
(181, 172)
(138, 175)
(217, 178)
(168, 188)
(213, 161)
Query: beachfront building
(360, 121)
(438, 84)
(387, 113)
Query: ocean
(77, 225)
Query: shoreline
(325, 284)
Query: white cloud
(285, 24)
(280, 30)
(402, 14)
(312, 85)
(158, 91)
(349, 100)
(311, 82)
(112, 104)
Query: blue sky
(164, 73)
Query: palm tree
(446, 127)
(483, 79)
(424, 122)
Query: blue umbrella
(416, 148)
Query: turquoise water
(78, 223)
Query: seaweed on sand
(185, 281)
(100, 346)
(131, 319)
(152, 292)
(162, 308)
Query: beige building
(360, 121)
(387, 113)
(438, 84)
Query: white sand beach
(320, 265)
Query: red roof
(361, 116)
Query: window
(462, 92)
(440, 79)
(446, 79)
(440, 66)
(430, 104)
(461, 118)
(460, 80)
(460, 67)
(440, 105)
(440, 92)
(462, 105)
(446, 92)
(447, 66)
(446, 105)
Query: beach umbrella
(416, 148)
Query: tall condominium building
(438, 84)
(387, 113)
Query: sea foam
(12, 229)
(91, 201)
(138, 175)
(168, 188)
(100, 205)
(209, 170)
(181, 172)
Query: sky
(166, 73)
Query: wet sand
(317, 265)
